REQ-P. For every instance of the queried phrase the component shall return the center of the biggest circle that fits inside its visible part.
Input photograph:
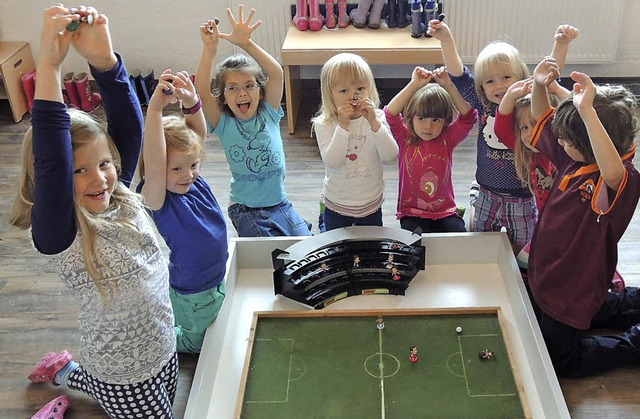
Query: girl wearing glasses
(244, 111)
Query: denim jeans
(333, 220)
(279, 220)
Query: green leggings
(194, 313)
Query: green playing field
(346, 367)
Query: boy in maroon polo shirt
(589, 138)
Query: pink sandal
(45, 370)
(54, 409)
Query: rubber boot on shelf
(330, 19)
(72, 90)
(300, 19)
(403, 18)
(392, 16)
(29, 87)
(360, 13)
(88, 101)
(417, 26)
(343, 16)
(375, 14)
(316, 20)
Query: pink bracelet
(195, 108)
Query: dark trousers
(578, 353)
(333, 220)
(450, 224)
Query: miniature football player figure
(413, 356)
(395, 274)
(390, 262)
(356, 261)
(380, 323)
(485, 355)
(324, 266)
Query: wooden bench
(15, 60)
(377, 46)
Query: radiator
(276, 18)
(530, 24)
(527, 24)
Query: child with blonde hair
(428, 120)
(589, 137)
(184, 208)
(74, 199)
(244, 112)
(503, 201)
(354, 140)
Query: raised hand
(546, 71)
(521, 88)
(566, 33)
(421, 76)
(241, 28)
(584, 91)
(55, 39)
(210, 33)
(93, 42)
(442, 77)
(368, 110)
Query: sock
(62, 376)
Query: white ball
(459, 329)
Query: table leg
(293, 95)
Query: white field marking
(381, 368)
(286, 399)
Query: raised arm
(440, 31)
(185, 91)
(210, 38)
(241, 37)
(419, 78)
(561, 40)
(441, 77)
(611, 167)
(544, 74)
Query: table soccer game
(386, 364)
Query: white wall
(164, 34)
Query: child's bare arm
(419, 78)
(185, 91)
(562, 38)
(241, 36)
(210, 37)
(545, 73)
(517, 90)
(611, 168)
(440, 31)
(441, 77)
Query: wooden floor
(38, 314)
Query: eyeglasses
(235, 89)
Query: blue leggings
(151, 398)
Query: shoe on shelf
(45, 371)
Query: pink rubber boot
(88, 101)
(29, 86)
(330, 20)
(300, 19)
(54, 409)
(316, 20)
(45, 371)
(343, 16)
(72, 91)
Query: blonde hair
(431, 101)
(523, 154)
(84, 129)
(179, 137)
(343, 66)
(497, 55)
